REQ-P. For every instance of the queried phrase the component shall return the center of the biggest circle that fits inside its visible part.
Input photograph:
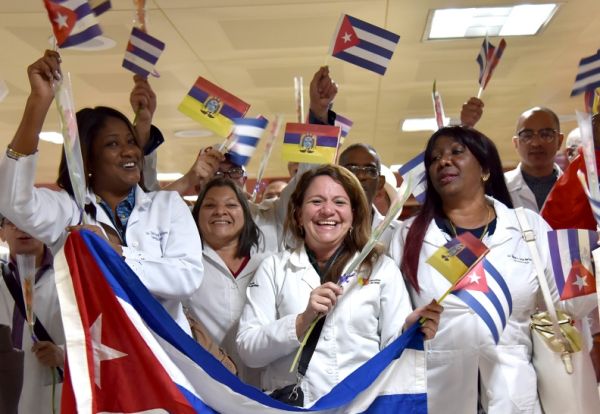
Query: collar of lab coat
(299, 259)
(514, 178)
(255, 259)
(142, 202)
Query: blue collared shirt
(123, 210)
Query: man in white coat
(45, 354)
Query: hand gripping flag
(99, 6)
(213, 107)
(247, 133)
(125, 354)
(416, 167)
(363, 44)
(345, 125)
(588, 74)
(485, 291)
(310, 143)
(142, 52)
(488, 59)
(73, 21)
(571, 256)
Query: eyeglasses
(234, 173)
(545, 134)
(369, 171)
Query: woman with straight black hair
(233, 247)
(466, 193)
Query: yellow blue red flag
(310, 143)
(213, 107)
(455, 258)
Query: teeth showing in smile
(326, 223)
(130, 164)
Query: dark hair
(369, 148)
(360, 232)
(540, 109)
(250, 233)
(486, 153)
(89, 122)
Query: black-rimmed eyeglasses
(545, 134)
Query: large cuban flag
(126, 355)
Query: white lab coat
(219, 301)
(388, 233)
(365, 319)
(163, 245)
(463, 345)
(36, 395)
(520, 193)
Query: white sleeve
(177, 272)
(396, 248)
(263, 336)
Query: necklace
(485, 229)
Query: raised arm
(471, 112)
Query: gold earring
(485, 176)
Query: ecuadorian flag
(309, 143)
(213, 107)
(456, 257)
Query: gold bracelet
(15, 155)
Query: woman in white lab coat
(329, 217)
(233, 249)
(466, 193)
(154, 232)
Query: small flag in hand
(571, 256)
(456, 257)
(438, 107)
(73, 22)
(488, 59)
(345, 125)
(310, 143)
(142, 52)
(588, 74)
(247, 133)
(99, 6)
(213, 107)
(416, 167)
(363, 44)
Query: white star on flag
(61, 20)
(101, 351)
(347, 37)
(580, 282)
(474, 278)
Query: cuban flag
(363, 44)
(488, 59)
(588, 74)
(247, 133)
(142, 52)
(73, 21)
(345, 125)
(571, 256)
(416, 168)
(125, 354)
(485, 291)
(99, 6)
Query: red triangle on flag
(474, 280)
(579, 282)
(346, 37)
(62, 19)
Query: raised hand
(471, 112)
(322, 93)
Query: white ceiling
(254, 48)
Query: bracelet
(15, 155)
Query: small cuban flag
(73, 22)
(588, 74)
(363, 44)
(247, 133)
(345, 125)
(142, 52)
(416, 167)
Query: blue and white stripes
(588, 75)
(416, 169)
(247, 133)
(142, 52)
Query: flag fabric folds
(126, 354)
(571, 256)
(488, 59)
(310, 143)
(247, 133)
(73, 21)
(416, 167)
(456, 257)
(99, 6)
(363, 44)
(142, 52)
(485, 291)
(588, 74)
(213, 107)
(345, 125)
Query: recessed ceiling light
(97, 43)
(421, 124)
(519, 20)
(192, 133)
(172, 176)
(52, 137)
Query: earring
(485, 177)
(350, 230)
